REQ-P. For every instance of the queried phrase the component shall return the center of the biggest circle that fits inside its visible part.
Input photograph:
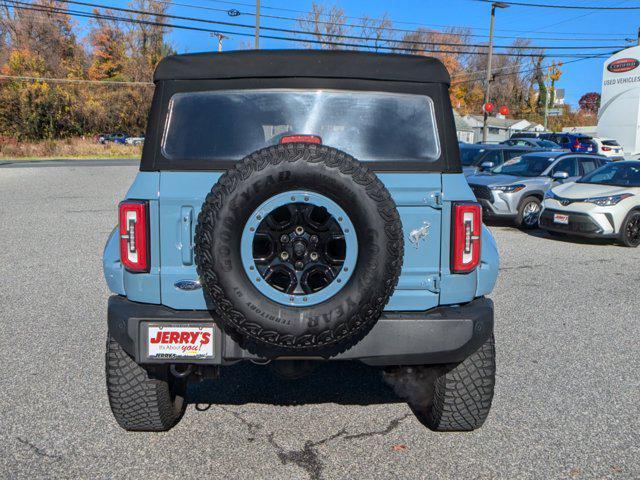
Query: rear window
(371, 126)
(610, 143)
(584, 140)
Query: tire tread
(138, 401)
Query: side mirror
(487, 165)
(560, 175)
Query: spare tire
(299, 248)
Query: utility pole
(546, 104)
(487, 85)
(638, 35)
(257, 41)
(220, 37)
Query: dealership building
(619, 115)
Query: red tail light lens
(606, 149)
(301, 139)
(467, 229)
(576, 145)
(134, 235)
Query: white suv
(604, 203)
(609, 148)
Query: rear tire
(630, 231)
(529, 213)
(142, 399)
(450, 398)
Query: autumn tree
(590, 102)
(108, 51)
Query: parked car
(605, 203)
(112, 137)
(139, 140)
(575, 142)
(525, 135)
(533, 142)
(477, 158)
(609, 148)
(237, 242)
(515, 190)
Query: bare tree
(376, 32)
(326, 26)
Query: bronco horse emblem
(419, 234)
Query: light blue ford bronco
(297, 207)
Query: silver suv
(514, 190)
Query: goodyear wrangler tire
(299, 248)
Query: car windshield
(619, 174)
(470, 155)
(228, 125)
(525, 166)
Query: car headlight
(508, 188)
(608, 201)
(550, 194)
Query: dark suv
(482, 157)
(298, 207)
(575, 142)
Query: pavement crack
(41, 452)
(252, 427)
(307, 457)
(393, 424)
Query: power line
(573, 18)
(565, 7)
(412, 23)
(47, 9)
(235, 12)
(401, 43)
(528, 70)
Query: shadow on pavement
(345, 383)
(561, 237)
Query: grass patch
(65, 149)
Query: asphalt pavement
(567, 398)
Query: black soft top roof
(302, 63)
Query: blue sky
(574, 27)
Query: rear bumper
(442, 335)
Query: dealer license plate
(180, 341)
(560, 218)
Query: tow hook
(180, 370)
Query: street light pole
(257, 41)
(487, 85)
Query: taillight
(606, 149)
(301, 139)
(576, 145)
(467, 228)
(134, 235)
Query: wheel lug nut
(299, 265)
(313, 256)
(299, 230)
(284, 256)
(284, 238)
